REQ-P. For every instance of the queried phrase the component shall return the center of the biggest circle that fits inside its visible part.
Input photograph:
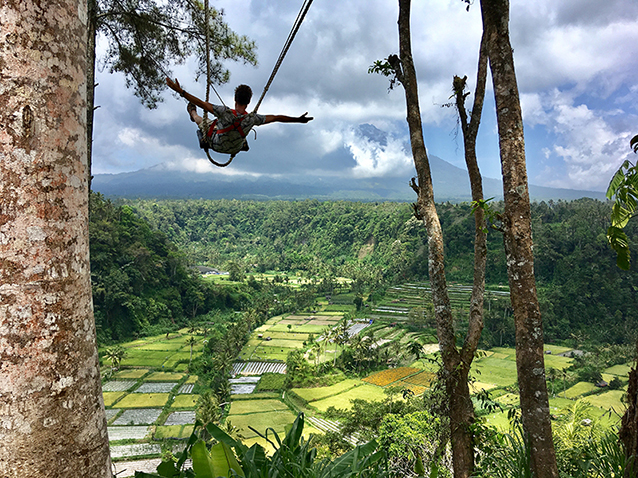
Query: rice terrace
(151, 401)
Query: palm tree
(191, 342)
(316, 349)
(116, 355)
(415, 348)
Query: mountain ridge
(450, 184)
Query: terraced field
(154, 398)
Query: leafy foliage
(141, 282)
(293, 457)
(623, 189)
(145, 38)
(580, 287)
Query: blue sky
(576, 62)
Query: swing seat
(203, 144)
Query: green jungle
(309, 329)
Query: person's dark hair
(243, 94)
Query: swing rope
(291, 36)
(209, 84)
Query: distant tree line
(580, 288)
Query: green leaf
(293, 435)
(223, 460)
(167, 469)
(619, 243)
(419, 469)
(617, 180)
(221, 436)
(202, 463)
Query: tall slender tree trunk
(629, 423)
(518, 242)
(90, 84)
(52, 421)
(461, 412)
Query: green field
(143, 400)
(173, 431)
(164, 377)
(243, 407)
(311, 394)
(501, 372)
(579, 389)
(111, 397)
(144, 358)
(185, 401)
(608, 400)
(260, 421)
(557, 362)
(619, 370)
(343, 400)
(130, 374)
(165, 346)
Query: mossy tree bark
(516, 223)
(52, 420)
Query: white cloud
(374, 159)
(590, 147)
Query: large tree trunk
(52, 421)
(518, 242)
(461, 411)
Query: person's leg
(192, 112)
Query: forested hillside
(582, 291)
(141, 282)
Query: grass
(255, 396)
(501, 372)
(172, 431)
(608, 400)
(164, 377)
(557, 349)
(271, 381)
(143, 400)
(260, 421)
(476, 387)
(312, 394)
(559, 363)
(111, 397)
(185, 401)
(177, 357)
(621, 370)
(282, 343)
(131, 374)
(244, 407)
(191, 379)
(343, 400)
(165, 346)
(144, 358)
(579, 389)
(389, 376)
(269, 353)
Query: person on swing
(227, 133)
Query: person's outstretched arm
(175, 86)
(304, 118)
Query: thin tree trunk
(518, 242)
(460, 406)
(629, 429)
(90, 84)
(52, 421)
